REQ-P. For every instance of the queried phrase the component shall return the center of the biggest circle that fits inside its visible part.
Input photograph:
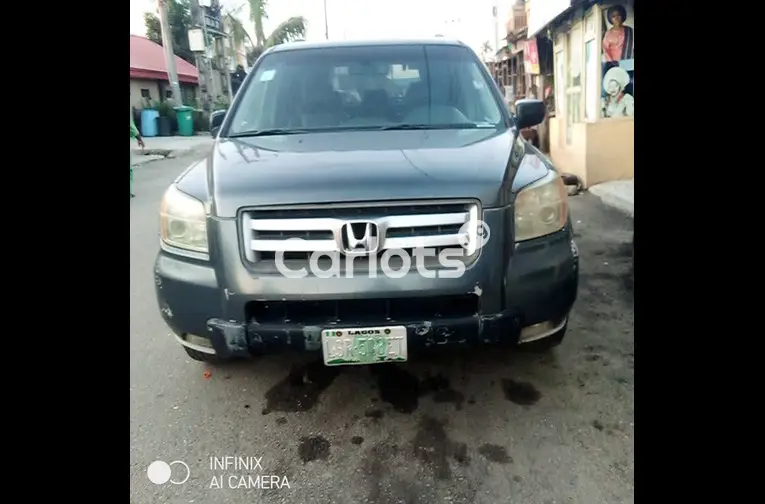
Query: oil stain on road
(433, 448)
(301, 389)
(313, 448)
(522, 393)
(402, 390)
(495, 453)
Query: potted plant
(201, 120)
(164, 121)
(221, 103)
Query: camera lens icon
(160, 472)
(482, 235)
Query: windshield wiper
(268, 132)
(395, 127)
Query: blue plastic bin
(149, 122)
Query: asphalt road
(491, 427)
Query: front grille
(362, 311)
(299, 232)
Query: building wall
(610, 150)
(587, 138)
(157, 89)
(136, 85)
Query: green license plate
(363, 345)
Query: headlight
(541, 208)
(183, 221)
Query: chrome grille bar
(412, 229)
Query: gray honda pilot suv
(363, 201)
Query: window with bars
(573, 80)
(591, 66)
(517, 76)
(560, 83)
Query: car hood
(359, 166)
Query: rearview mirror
(529, 112)
(216, 119)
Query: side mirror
(529, 112)
(216, 119)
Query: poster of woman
(618, 49)
(617, 103)
(619, 38)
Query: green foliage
(164, 108)
(201, 120)
(253, 55)
(257, 15)
(179, 19)
(289, 30)
(238, 32)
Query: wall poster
(618, 49)
(531, 57)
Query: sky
(471, 22)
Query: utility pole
(232, 57)
(167, 43)
(495, 13)
(203, 62)
(326, 25)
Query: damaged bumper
(235, 314)
(229, 339)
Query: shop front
(592, 133)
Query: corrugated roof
(147, 61)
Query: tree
(288, 30)
(486, 50)
(236, 30)
(239, 37)
(179, 19)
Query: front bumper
(236, 314)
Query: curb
(610, 198)
(169, 153)
(152, 152)
(139, 161)
(148, 156)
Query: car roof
(328, 44)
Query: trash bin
(185, 120)
(149, 123)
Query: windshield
(367, 87)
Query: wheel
(545, 344)
(203, 357)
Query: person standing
(237, 78)
(134, 133)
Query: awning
(542, 12)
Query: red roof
(147, 61)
